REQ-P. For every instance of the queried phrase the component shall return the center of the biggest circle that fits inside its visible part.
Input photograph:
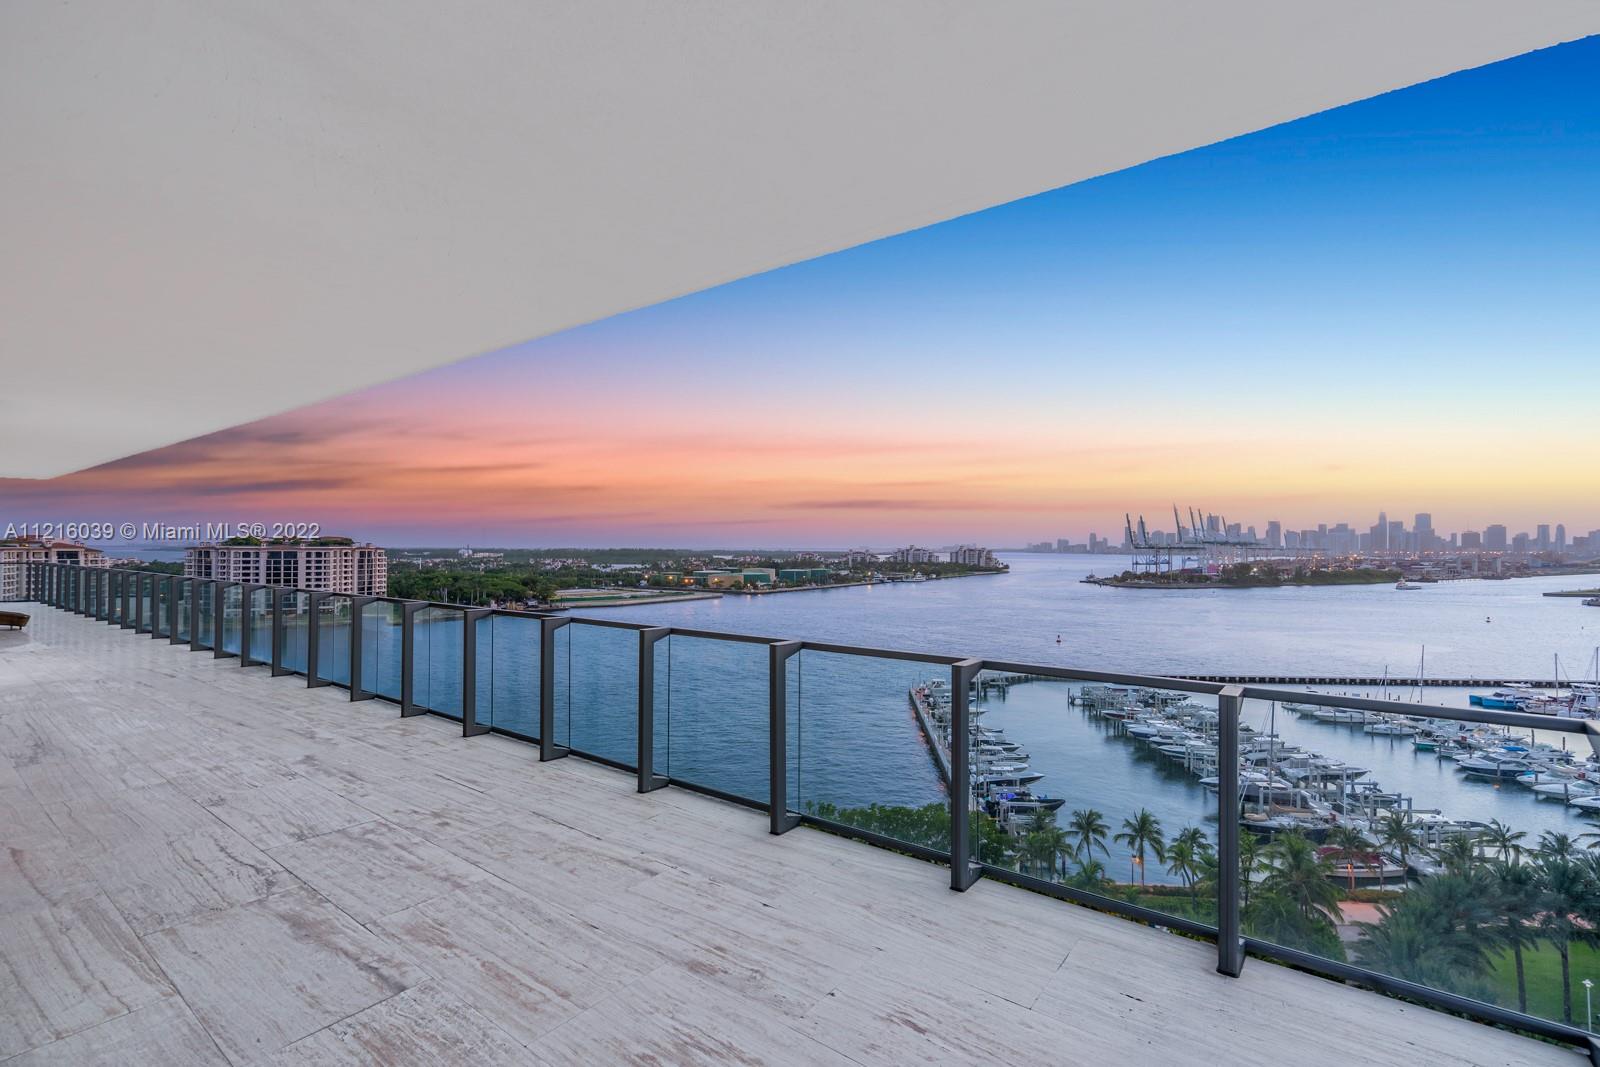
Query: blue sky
(1388, 305)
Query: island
(1263, 574)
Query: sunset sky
(1395, 305)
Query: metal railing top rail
(1081, 674)
(584, 620)
(1484, 716)
(1520, 720)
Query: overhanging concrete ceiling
(213, 212)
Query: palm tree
(1251, 863)
(1301, 876)
(1567, 888)
(1045, 843)
(1458, 855)
(1087, 830)
(1506, 842)
(1142, 834)
(1091, 875)
(1517, 892)
(1555, 843)
(1396, 833)
(1433, 934)
(1187, 857)
(1351, 844)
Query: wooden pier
(930, 732)
(1370, 680)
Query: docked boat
(1568, 790)
(1495, 766)
(1390, 728)
(1502, 699)
(1362, 868)
(1340, 715)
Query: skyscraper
(1422, 531)
(1380, 533)
(1494, 538)
(1274, 534)
(1541, 537)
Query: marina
(1307, 768)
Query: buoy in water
(1058, 639)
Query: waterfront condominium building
(40, 550)
(334, 565)
(972, 556)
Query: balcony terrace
(206, 864)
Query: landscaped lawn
(1543, 970)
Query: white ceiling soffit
(213, 212)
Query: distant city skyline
(1391, 300)
(1417, 532)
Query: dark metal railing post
(314, 600)
(470, 727)
(130, 601)
(358, 630)
(279, 632)
(176, 588)
(780, 818)
(963, 872)
(247, 620)
(164, 607)
(194, 614)
(408, 655)
(138, 604)
(649, 780)
(219, 604)
(1230, 944)
(548, 749)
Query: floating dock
(930, 732)
(1370, 680)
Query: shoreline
(718, 594)
(1120, 583)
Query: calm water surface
(854, 741)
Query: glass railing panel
(333, 639)
(156, 620)
(381, 630)
(185, 605)
(260, 604)
(436, 660)
(1111, 790)
(508, 674)
(713, 722)
(232, 617)
(146, 596)
(118, 585)
(205, 610)
(866, 744)
(1449, 854)
(600, 676)
(296, 631)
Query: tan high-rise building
(39, 550)
(334, 565)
